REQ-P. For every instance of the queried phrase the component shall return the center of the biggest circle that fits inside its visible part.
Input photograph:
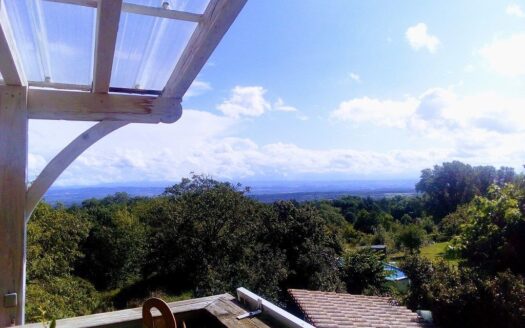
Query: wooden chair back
(166, 320)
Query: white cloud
(381, 112)
(355, 77)
(137, 152)
(514, 10)
(245, 101)
(206, 143)
(438, 109)
(478, 128)
(505, 56)
(279, 105)
(418, 38)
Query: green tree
(451, 224)
(406, 219)
(461, 297)
(419, 270)
(53, 238)
(61, 297)
(447, 186)
(493, 237)
(411, 237)
(207, 236)
(311, 251)
(116, 245)
(53, 248)
(364, 272)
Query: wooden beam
(217, 19)
(85, 106)
(142, 10)
(85, 87)
(13, 167)
(108, 18)
(59, 86)
(161, 12)
(84, 3)
(10, 65)
(61, 161)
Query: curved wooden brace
(63, 159)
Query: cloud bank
(479, 129)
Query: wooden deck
(213, 311)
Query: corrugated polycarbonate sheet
(55, 40)
(147, 50)
(192, 6)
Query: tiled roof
(331, 310)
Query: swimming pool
(394, 273)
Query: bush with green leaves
(61, 297)
(411, 238)
(461, 297)
(53, 242)
(116, 245)
(363, 271)
(54, 238)
(492, 238)
(210, 237)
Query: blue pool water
(394, 273)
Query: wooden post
(13, 175)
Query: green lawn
(432, 252)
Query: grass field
(432, 252)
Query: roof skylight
(147, 50)
(51, 49)
(56, 40)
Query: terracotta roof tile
(333, 310)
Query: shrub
(363, 271)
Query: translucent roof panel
(55, 40)
(192, 6)
(147, 50)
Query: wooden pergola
(111, 107)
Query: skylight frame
(126, 7)
(71, 104)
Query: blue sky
(328, 90)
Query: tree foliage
(204, 237)
(115, 247)
(364, 272)
(488, 288)
(447, 186)
(493, 236)
(411, 237)
(54, 238)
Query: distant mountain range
(265, 191)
